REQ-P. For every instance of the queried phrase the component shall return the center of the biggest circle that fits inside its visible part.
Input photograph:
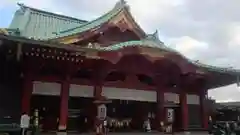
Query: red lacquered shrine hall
(65, 67)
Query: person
(24, 123)
(211, 125)
(235, 127)
(148, 126)
(227, 128)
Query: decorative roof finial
(22, 6)
(121, 4)
(154, 37)
(155, 34)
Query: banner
(170, 115)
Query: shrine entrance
(48, 111)
(125, 115)
(174, 116)
(81, 112)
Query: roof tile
(41, 24)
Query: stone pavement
(136, 133)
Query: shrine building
(63, 67)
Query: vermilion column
(97, 91)
(26, 94)
(204, 112)
(184, 110)
(64, 106)
(97, 95)
(160, 107)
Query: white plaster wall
(193, 99)
(46, 88)
(171, 97)
(81, 90)
(129, 94)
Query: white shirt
(105, 123)
(25, 120)
(148, 125)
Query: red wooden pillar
(26, 94)
(160, 108)
(204, 111)
(184, 110)
(97, 91)
(97, 95)
(62, 127)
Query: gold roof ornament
(3, 31)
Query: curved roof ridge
(119, 6)
(23, 6)
(160, 45)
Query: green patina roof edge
(97, 22)
(42, 43)
(160, 45)
(50, 13)
(153, 43)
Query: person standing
(210, 125)
(227, 128)
(24, 123)
(148, 125)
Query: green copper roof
(38, 24)
(95, 23)
(153, 42)
(42, 25)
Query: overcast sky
(205, 30)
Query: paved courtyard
(137, 133)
